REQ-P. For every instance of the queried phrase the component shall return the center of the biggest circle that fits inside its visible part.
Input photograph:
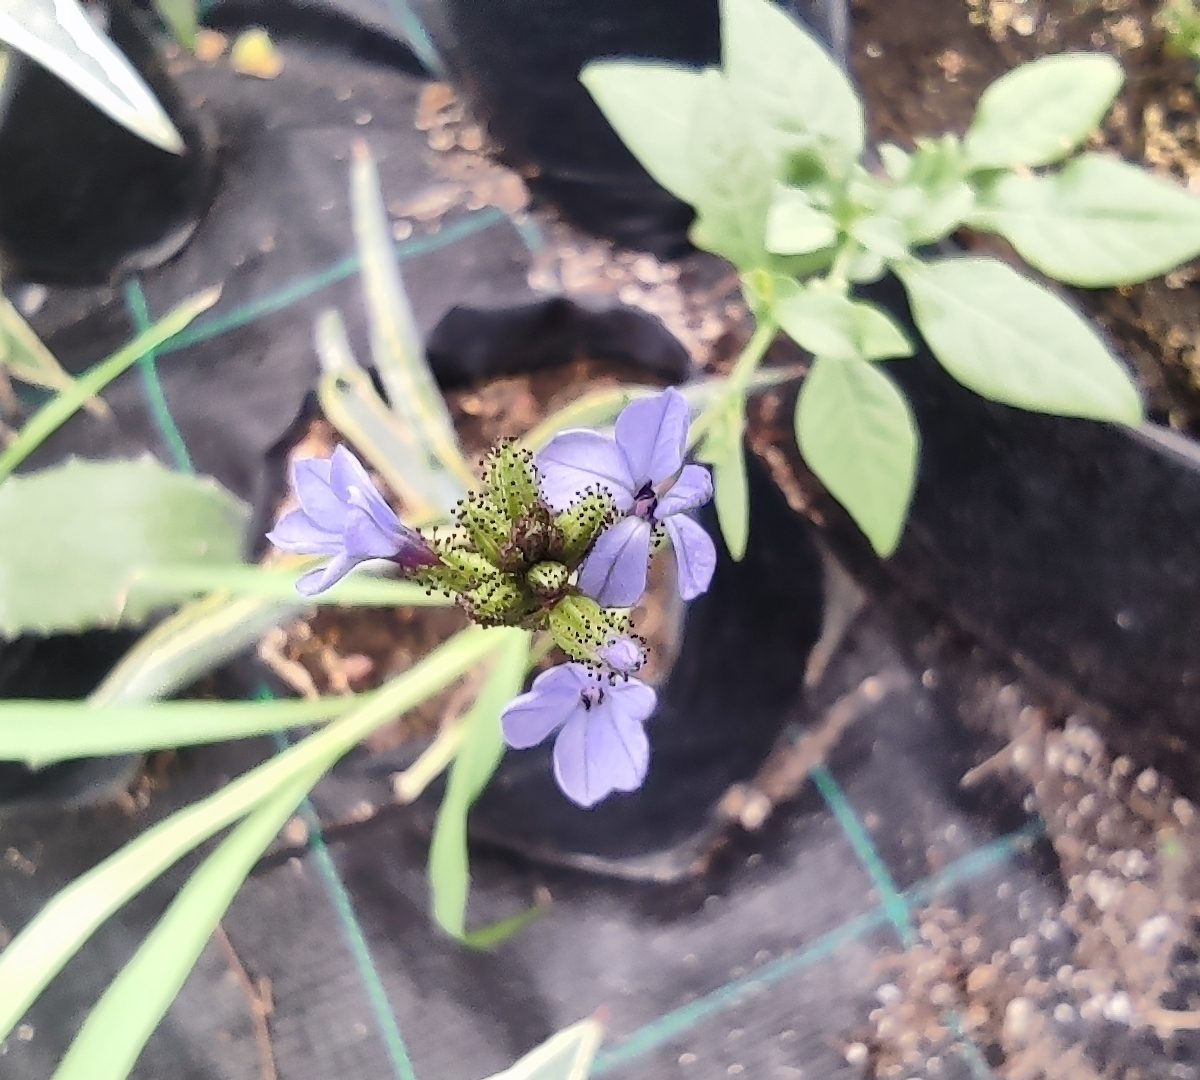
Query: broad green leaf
(1013, 341)
(75, 537)
(567, 1055)
(68, 920)
(652, 108)
(896, 161)
(59, 35)
(792, 88)
(63, 405)
(858, 436)
(1038, 113)
(881, 234)
(480, 752)
(41, 732)
(1098, 222)
(795, 226)
(396, 349)
(830, 324)
(724, 449)
(734, 183)
(181, 20)
(117, 1029)
(23, 355)
(929, 215)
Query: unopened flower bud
(511, 479)
(581, 627)
(547, 580)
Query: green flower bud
(582, 524)
(534, 539)
(501, 601)
(486, 526)
(547, 580)
(511, 479)
(580, 626)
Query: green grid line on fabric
(302, 288)
(335, 887)
(894, 905)
(352, 931)
(417, 35)
(737, 991)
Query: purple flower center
(591, 695)
(645, 502)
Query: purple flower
(644, 472)
(343, 515)
(601, 746)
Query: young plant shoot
(559, 543)
(769, 150)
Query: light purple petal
(695, 555)
(352, 484)
(297, 533)
(310, 482)
(553, 699)
(325, 577)
(614, 573)
(693, 488)
(600, 751)
(576, 460)
(364, 539)
(623, 655)
(633, 699)
(652, 434)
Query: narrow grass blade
(396, 348)
(118, 1028)
(40, 732)
(59, 409)
(24, 356)
(62, 926)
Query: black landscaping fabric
(710, 950)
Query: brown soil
(922, 65)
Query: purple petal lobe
(695, 555)
(602, 750)
(364, 539)
(351, 483)
(634, 699)
(296, 532)
(652, 434)
(693, 488)
(325, 577)
(553, 699)
(614, 573)
(576, 460)
(310, 482)
(623, 655)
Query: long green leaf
(348, 399)
(40, 732)
(724, 449)
(24, 356)
(568, 1055)
(118, 1028)
(163, 584)
(60, 36)
(396, 348)
(480, 752)
(59, 409)
(57, 932)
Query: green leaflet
(1012, 341)
(1039, 112)
(858, 436)
(724, 449)
(1097, 222)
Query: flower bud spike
(512, 479)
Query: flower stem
(739, 378)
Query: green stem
(739, 378)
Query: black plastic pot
(1069, 547)
(82, 200)
(520, 72)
